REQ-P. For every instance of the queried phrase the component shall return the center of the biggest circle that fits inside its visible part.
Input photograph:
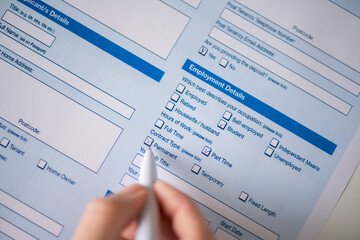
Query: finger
(187, 220)
(130, 230)
(105, 218)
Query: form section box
(28, 28)
(292, 52)
(68, 78)
(151, 24)
(298, 81)
(58, 122)
(30, 214)
(209, 202)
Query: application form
(251, 108)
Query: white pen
(148, 228)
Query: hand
(115, 217)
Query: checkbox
(223, 62)
(196, 169)
(159, 123)
(227, 115)
(206, 151)
(243, 196)
(4, 142)
(148, 141)
(42, 164)
(180, 88)
(170, 106)
(222, 124)
(269, 151)
(175, 97)
(203, 50)
(274, 142)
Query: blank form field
(222, 235)
(150, 23)
(292, 52)
(193, 3)
(13, 231)
(127, 180)
(30, 214)
(67, 77)
(28, 28)
(281, 71)
(55, 119)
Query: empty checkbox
(269, 151)
(206, 151)
(196, 169)
(243, 196)
(274, 142)
(175, 97)
(227, 115)
(170, 106)
(223, 62)
(159, 123)
(4, 142)
(222, 124)
(42, 164)
(148, 141)
(180, 88)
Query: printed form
(251, 107)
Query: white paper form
(251, 108)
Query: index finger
(187, 220)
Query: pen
(148, 228)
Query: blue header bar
(95, 38)
(259, 107)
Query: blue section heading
(259, 107)
(95, 38)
